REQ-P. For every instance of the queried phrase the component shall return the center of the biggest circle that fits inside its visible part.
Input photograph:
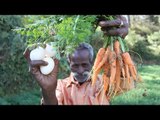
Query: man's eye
(84, 65)
(75, 66)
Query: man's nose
(80, 70)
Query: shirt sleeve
(59, 93)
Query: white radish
(50, 51)
(49, 67)
(37, 53)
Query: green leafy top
(67, 31)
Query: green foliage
(154, 38)
(132, 38)
(37, 31)
(66, 31)
(8, 22)
(143, 37)
(97, 40)
(74, 30)
(13, 67)
(64, 70)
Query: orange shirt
(69, 92)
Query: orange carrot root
(105, 57)
(99, 57)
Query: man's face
(80, 65)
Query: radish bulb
(37, 53)
(50, 51)
(48, 68)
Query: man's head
(81, 62)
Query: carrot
(128, 75)
(117, 47)
(123, 74)
(118, 51)
(94, 76)
(117, 78)
(119, 57)
(132, 72)
(127, 59)
(106, 68)
(99, 57)
(105, 84)
(98, 68)
(105, 81)
(112, 60)
(105, 57)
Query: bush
(147, 54)
(13, 67)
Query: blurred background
(18, 87)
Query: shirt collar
(72, 81)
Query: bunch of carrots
(116, 65)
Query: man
(76, 89)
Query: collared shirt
(70, 92)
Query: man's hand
(48, 83)
(117, 27)
(45, 81)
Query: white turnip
(48, 68)
(37, 53)
(50, 51)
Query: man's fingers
(103, 24)
(103, 29)
(117, 32)
(120, 21)
(56, 61)
(55, 70)
(56, 65)
(37, 63)
(114, 23)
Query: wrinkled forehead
(80, 55)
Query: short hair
(86, 46)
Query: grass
(146, 93)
